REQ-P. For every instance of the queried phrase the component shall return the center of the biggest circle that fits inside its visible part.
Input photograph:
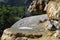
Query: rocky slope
(36, 33)
(29, 32)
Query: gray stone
(30, 21)
(25, 29)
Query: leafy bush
(9, 15)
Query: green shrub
(9, 15)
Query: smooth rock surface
(30, 21)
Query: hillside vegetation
(9, 15)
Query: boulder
(38, 6)
(38, 32)
(30, 21)
(30, 28)
(53, 11)
(22, 34)
(25, 29)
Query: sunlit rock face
(26, 29)
(36, 6)
(53, 11)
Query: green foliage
(9, 15)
